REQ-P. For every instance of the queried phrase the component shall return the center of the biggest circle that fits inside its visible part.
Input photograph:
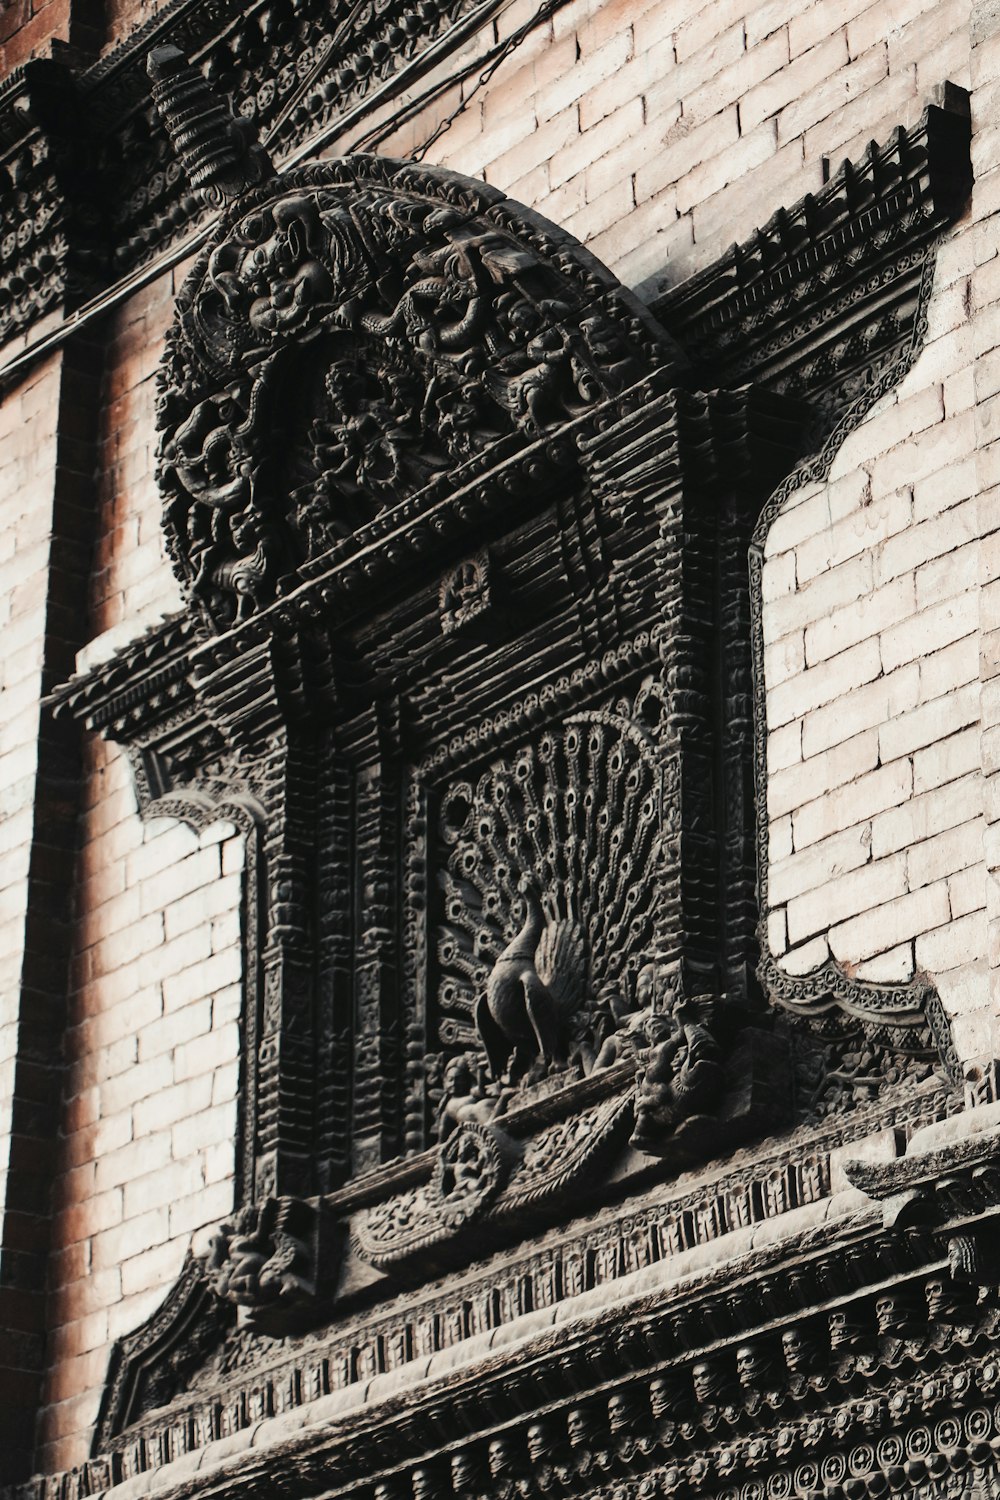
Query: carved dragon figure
(532, 990)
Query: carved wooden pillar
(335, 967)
(378, 1042)
(285, 1055)
(683, 475)
(254, 698)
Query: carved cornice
(53, 246)
(812, 1345)
(89, 187)
(135, 687)
(825, 292)
(585, 1257)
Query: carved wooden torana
(545, 1179)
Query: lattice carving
(548, 878)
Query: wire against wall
(97, 307)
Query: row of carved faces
(803, 1363)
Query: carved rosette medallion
(471, 1169)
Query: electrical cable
(12, 369)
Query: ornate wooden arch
(360, 334)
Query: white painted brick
(885, 927)
(862, 705)
(206, 1207)
(803, 783)
(928, 538)
(233, 856)
(954, 573)
(827, 591)
(865, 798)
(182, 1026)
(162, 849)
(950, 668)
(811, 955)
(175, 1179)
(155, 1267)
(859, 531)
(165, 1108)
(952, 945)
(120, 1167)
(708, 177)
(784, 746)
(206, 1053)
(929, 630)
(927, 453)
(198, 1132)
(806, 869)
(929, 722)
(893, 419)
(225, 1079)
(778, 576)
(846, 84)
(808, 71)
(967, 890)
(960, 391)
(893, 967)
(784, 659)
(779, 840)
(804, 513)
(200, 979)
(777, 933)
(849, 895)
(860, 619)
(825, 684)
(946, 853)
(926, 815)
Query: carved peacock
(548, 879)
(522, 1018)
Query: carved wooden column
(378, 1047)
(250, 695)
(687, 472)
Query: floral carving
(471, 1168)
(392, 335)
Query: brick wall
(27, 455)
(29, 28)
(983, 297)
(657, 133)
(872, 662)
(151, 1044)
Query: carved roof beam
(829, 285)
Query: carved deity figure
(683, 1073)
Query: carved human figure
(467, 1097)
(581, 1430)
(544, 1453)
(628, 1020)
(683, 1074)
(625, 1413)
(466, 1472)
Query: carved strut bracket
(274, 1261)
(220, 154)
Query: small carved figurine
(683, 1075)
